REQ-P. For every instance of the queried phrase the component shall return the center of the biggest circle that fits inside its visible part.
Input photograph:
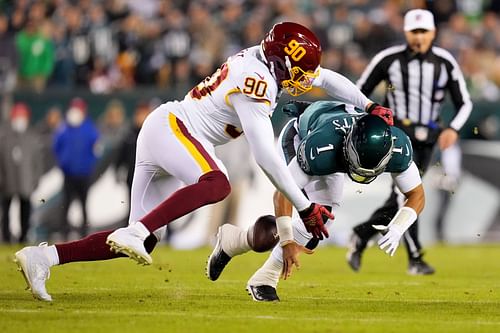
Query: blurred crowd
(79, 147)
(113, 45)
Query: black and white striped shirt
(416, 84)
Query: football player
(176, 168)
(324, 143)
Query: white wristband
(403, 219)
(285, 230)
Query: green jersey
(322, 129)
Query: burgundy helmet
(293, 53)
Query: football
(263, 235)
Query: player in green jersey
(322, 143)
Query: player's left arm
(340, 87)
(410, 183)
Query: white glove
(403, 219)
(390, 240)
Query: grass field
(173, 295)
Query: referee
(416, 75)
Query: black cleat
(356, 248)
(418, 266)
(217, 260)
(263, 293)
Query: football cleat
(35, 267)
(263, 293)
(356, 248)
(218, 259)
(130, 242)
(417, 266)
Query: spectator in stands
(63, 75)
(112, 130)
(143, 44)
(74, 145)
(46, 129)
(36, 57)
(20, 168)
(8, 57)
(79, 44)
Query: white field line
(371, 298)
(103, 312)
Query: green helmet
(368, 148)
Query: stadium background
(150, 51)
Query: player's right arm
(256, 124)
(338, 86)
(291, 249)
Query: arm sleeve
(340, 87)
(459, 95)
(301, 178)
(408, 179)
(336, 188)
(256, 124)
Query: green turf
(173, 295)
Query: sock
(268, 274)
(150, 243)
(51, 254)
(90, 248)
(210, 188)
(234, 240)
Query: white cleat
(35, 267)
(130, 241)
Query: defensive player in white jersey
(176, 168)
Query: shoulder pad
(402, 152)
(253, 79)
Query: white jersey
(207, 108)
(240, 98)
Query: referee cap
(419, 19)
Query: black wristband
(306, 211)
(371, 107)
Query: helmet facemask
(300, 81)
